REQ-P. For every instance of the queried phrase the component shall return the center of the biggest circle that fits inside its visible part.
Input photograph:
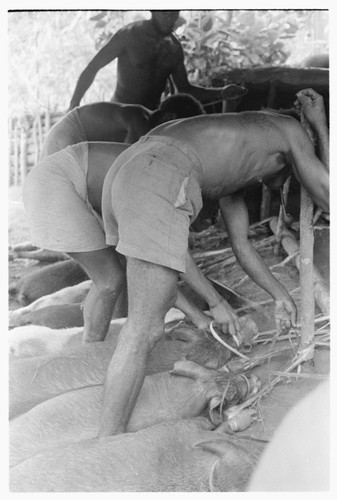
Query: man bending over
(152, 193)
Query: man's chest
(153, 55)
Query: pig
(303, 438)
(69, 295)
(49, 279)
(36, 379)
(182, 393)
(36, 340)
(178, 455)
(61, 316)
(29, 251)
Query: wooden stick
(16, 156)
(306, 261)
(265, 202)
(320, 289)
(281, 216)
(306, 272)
(23, 154)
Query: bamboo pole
(16, 156)
(40, 133)
(23, 154)
(320, 289)
(10, 137)
(35, 142)
(281, 217)
(47, 121)
(306, 272)
(265, 202)
(306, 263)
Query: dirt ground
(290, 390)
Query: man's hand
(312, 105)
(285, 313)
(224, 315)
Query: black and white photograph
(168, 248)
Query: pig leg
(152, 290)
(108, 283)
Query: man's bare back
(240, 149)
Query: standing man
(148, 53)
(152, 193)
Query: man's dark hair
(181, 105)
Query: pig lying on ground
(35, 340)
(26, 250)
(33, 380)
(62, 316)
(183, 455)
(49, 279)
(70, 295)
(182, 393)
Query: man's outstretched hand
(285, 314)
(224, 315)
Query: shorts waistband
(180, 145)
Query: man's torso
(236, 150)
(145, 64)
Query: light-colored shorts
(55, 197)
(150, 197)
(68, 130)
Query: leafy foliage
(220, 40)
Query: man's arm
(312, 105)
(220, 310)
(204, 95)
(234, 212)
(309, 170)
(103, 57)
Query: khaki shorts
(55, 196)
(150, 198)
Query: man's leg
(107, 295)
(152, 290)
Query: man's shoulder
(134, 28)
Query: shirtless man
(115, 122)
(148, 53)
(148, 219)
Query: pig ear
(218, 446)
(189, 369)
(184, 333)
(213, 404)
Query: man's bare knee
(111, 288)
